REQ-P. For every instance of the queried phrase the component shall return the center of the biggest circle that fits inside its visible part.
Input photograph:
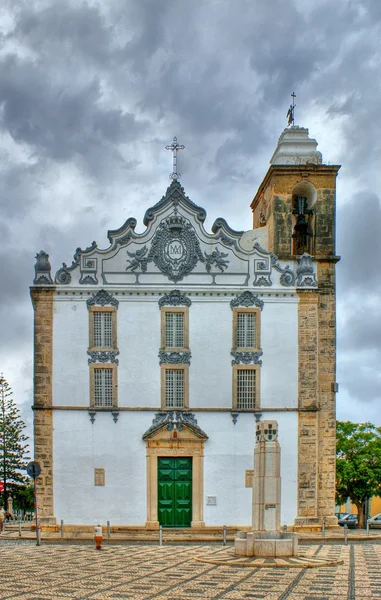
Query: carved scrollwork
(246, 299)
(175, 420)
(174, 358)
(246, 358)
(175, 298)
(103, 356)
(287, 278)
(63, 276)
(102, 298)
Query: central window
(102, 329)
(174, 388)
(174, 329)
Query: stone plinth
(266, 544)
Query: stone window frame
(98, 309)
(257, 312)
(174, 309)
(249, 367)
(99, 365)
(174, 367)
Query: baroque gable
(176, 248)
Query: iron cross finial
(291, 111)
(174, 147)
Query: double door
(175, 491)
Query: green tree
(13, 447)
(358, 464)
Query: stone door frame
(172, 444)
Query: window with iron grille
(174, 388)
(174, 330)
(246, 330)
(103, 337)
(103, 387)
(246, 388)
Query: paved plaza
(144, 572)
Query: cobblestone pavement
(145, 572)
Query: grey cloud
(359, 243)
(60, 121)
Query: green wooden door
(174, 492)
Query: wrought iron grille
(103, 387)
(174, 388)
(246, 388)
(103, 329)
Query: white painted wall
(80, 446)
(210, 374)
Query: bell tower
(296, 202)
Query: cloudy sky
(91, 92)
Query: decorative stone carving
(175, 420)
(174, 358)
(262, 280)
(234, 416)
(63, 276)
(103, 356)
(174, 298)
(175, 248)
(42, 269)
(139, 260)
(102, 298)
(92, 414)
(115, 415)
(174, 195)
(246, 299)
(216, 258)
(88, 280)
(287, 278)
(246, 358)
(305, 271)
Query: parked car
(341, 515)
(375, 521)
(349, 520)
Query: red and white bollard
(98, 535)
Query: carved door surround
(175, 443)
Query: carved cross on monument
(174, 147)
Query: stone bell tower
(296, 203)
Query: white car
(375, 521)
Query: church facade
(155, 357)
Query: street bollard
(224, 535)
(98, 537)
(346, 534)
(367, 527)
(62, 528)
(108, 529)
(19, 527)
(160, 535)
(323, 528)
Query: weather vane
(174, 147)
(291, 111)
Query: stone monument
(266, 538)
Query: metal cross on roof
(174, 147)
